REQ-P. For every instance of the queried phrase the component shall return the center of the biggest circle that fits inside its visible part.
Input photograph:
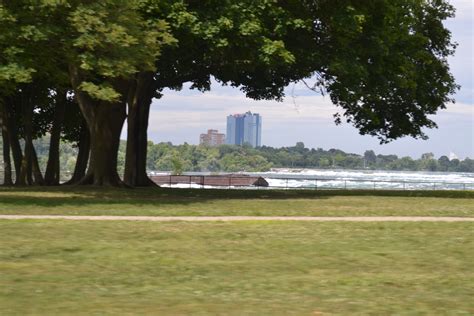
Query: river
(357, 179)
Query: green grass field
(54, 267)
(247, 268)
(166, 202)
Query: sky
(308, 117)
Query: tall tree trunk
(30, 173)
(26, 172)
(105, 127)
(23, 179)
(52, 174)
(37, 175)
(105, 121)
(7, 167)
(16, 152)
(82, 160)
(13, 137)
(139, 103)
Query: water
(359, 179)
(369, 179)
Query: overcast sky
(181, 116)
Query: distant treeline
(182, 158)
(165, 156)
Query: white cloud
(211, 109)
(464, 9)
(463, 109)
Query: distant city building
(212, 138)
(244, 129)
(452, 156)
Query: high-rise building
(212, 138)
(244, 129)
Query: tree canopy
(384, 63)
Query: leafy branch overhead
(383, 63)
(114, 41)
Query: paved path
(245, 218)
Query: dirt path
(245, 218)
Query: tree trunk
(7, 167)
(52, 174)
(105, 121)
(105, 127)
(16, 152)
(26, 172)
(82, 160)
(12, 129)
(137, 140)
(37, 175)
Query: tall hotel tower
(244, 129)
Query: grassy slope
(57, 267)
(166, 202)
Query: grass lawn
(267, 268)
(187, 202)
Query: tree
(14, 70)
(443, 163)
(429, 165)
(383, 160)
(427, 156)
(454, 164)
(33, 89)
(7, 167)
(387, 64)
(112, 43)
(102, 47)
(370, 157)
(467, 165)
(384, 63)
(177, 165)
(407, 163)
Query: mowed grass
(198, 202)
(246, 268)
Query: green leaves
(114, 41)
(31, 33)
(16, 73)
(387, 65)
(5, 16)
(383, 62)
(250, 28)
(102, 92)
(275, 51)
(109, 40)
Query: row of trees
(299, 156)
(77, 69)
(180, 158)
(226, 158)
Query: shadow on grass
(80, 196)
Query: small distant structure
(212, 138)
(452, 156)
